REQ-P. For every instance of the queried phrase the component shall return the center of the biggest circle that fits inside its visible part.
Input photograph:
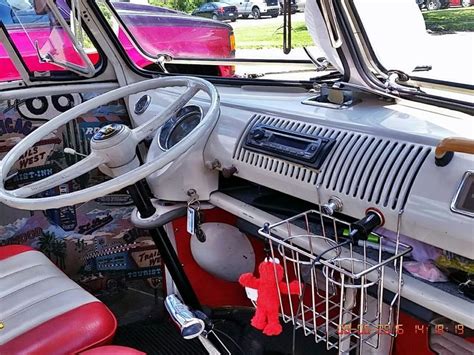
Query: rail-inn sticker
(147, 258)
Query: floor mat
(160, 338)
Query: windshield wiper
(161, 60)
(321, 63)
(395, 80)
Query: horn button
(108, 131)
(116, 143)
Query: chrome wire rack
(343, 299)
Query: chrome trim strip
(454, 209)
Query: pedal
(189, 325)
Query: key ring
(194, 199)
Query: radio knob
(258, 134)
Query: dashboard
(374, 154)
(371, 155)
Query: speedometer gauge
(179, 126)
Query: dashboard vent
(377, 170)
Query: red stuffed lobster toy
(269, 285)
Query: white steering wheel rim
(194, 85)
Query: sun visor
(396, 30)
(316, 28)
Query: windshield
(232, 38)
(42, 33)
(428, 39)
(418, 38)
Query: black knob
(361, 229)
(258, 134)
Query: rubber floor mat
(232, 326)
(160, 338)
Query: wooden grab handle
(445, 149)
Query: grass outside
(450, 19)
(271, 36)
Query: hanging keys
(194, 216)
(198, 231)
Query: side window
(35, 31)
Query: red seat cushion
(112, 349)
(12, 250)
(43, 311)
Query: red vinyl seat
(42, 311)
(113, 350)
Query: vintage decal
(11, 126)
(45, 108)
(147, 258)
(115, 200)
(37, 155)
(95, 224)
(24, 237)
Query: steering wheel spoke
(82, 167)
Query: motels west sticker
(14, 129)
(37, 155)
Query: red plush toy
(266, 317)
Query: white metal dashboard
(383, 146)
(383, 158)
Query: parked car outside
(433, 4)
(300, 5)
(217, 11)
(293, 6)
(463, 3)
(179, 35)
(256, 8)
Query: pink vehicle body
(157, 30)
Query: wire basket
(342, 300)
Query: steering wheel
(113, 147)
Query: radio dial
(258, 134)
